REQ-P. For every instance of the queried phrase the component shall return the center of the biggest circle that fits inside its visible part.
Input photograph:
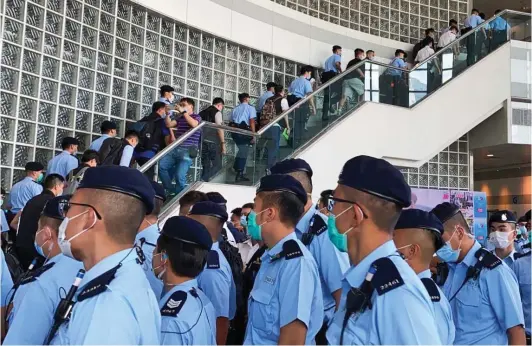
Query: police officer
(312, 231)
(502, 235)
(25, 189)
(147, 236)
(188, 316)
(481, 289)
(66, 161)
(522, 269)
(35, 301)
(217, 279)
(285, 305)
(383, 301)
(114, 303)
(418, 235)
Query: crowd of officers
(356, 269)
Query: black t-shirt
(355, 73)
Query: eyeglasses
(333, 200)
(65, 206)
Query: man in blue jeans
(243, 116)
(177, 162)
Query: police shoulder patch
(318, 225)
(33, 275)
(489, 260)
(98, 284)
(291, 249)
(520, 255)
(387, 277)
(432, 289)
(174, 304)
(213, 260)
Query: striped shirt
(183, 127)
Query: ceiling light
(490, 155)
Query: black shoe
(242, 178)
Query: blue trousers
(242, 142)
(175, 165)
(274, 139)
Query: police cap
(282, 183)
(120, 179)
(159, 190)
(209, 208)
(444, 211)
(54, 208)
(416, 218)
(216, 198)
(34, 166)
(502, 216)
(291, 165)
(187, 230)
(376, 177)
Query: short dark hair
(89, 155)
(335, 48)
(289, 206)
(452, 22)
(474, 10)
(132, 134)
(188, 101)
(482, 15)
(399, 51)
(107, 126)
(497, 11)
(157, 105)
(51, 222)
(370, 51)
(186, 259)
(52, 180)
(325, 196)
(358, 50)
(157, 206)
(166, 89)
(218, 100)
(457, 219)
(454, 27)
(270, 85)
(249, 205)
(237, 212)
(193, 197)
(429, 31)
(242, 97)
(279, 89)
(215, 196)
(305, 69)
(384, 214)
(427, 41)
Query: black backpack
(111, 151)
(149, 134)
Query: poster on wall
(480, 214)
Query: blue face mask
(39, 248)
(447, 253)
(243, 221)
(39, 178)
(339, 240)
(254, 230)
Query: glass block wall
(67, 65)
(400, 20)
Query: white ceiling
(505, 156)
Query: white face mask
(500, 239)
(65, 244)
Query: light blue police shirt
(300, 87)
(97, 143)
(150, 235)
(396, 62)
(499, 24)
(62, 164)
(127, 154)
(189, 321)
(262, 100)
(127, 312)
(522, 269)
(404, 315)
(442, 313)
(22, 192)
(332, 264)
(6, 280)
(472, 21)
(33, 308)
(219, 286)
(518, 245)
(485, 308)
(243, 113)
(509, 260)
(285, 290)
(330, 63)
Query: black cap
(209, 208)
(69, 141)
(527, 215)
(502, 216)
(291, 165)
(415, 218)
(444, 211)
(160, 193)
(376, 177)
(187, 230)
(34, 166)
(522, 219)
(54, 208)
(282, 183)
(107, 126)
(120, 179)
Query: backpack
(269, 111)
(73, 181)
(111, 151)
(149, 136)
(13, 263)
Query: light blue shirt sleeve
(71, 164)
(399, 63)
(251, 112)
(7, 281)
(337, 58)
(127, 154)
(308, 87)
(216, 284)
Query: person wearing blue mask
(285, 304)
(503, 235)
(146, 239)
(311, 229)
(35, 301)
(25, 189)
(383, 301)
(188, 316)
(481, 288)
(418, 235)
(66, 161)
(217, 279)
(521, 225)
(114, 302)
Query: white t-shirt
(218, 118)
(424, 53)
(446, 38)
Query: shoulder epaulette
(34, 274)
(98, 284)
(526, 246)
(489, 260)
(387, 276)
(521, 255)
(317, 227)
(213, 260)
(432, 289)
(291, 250)
(174, 304)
